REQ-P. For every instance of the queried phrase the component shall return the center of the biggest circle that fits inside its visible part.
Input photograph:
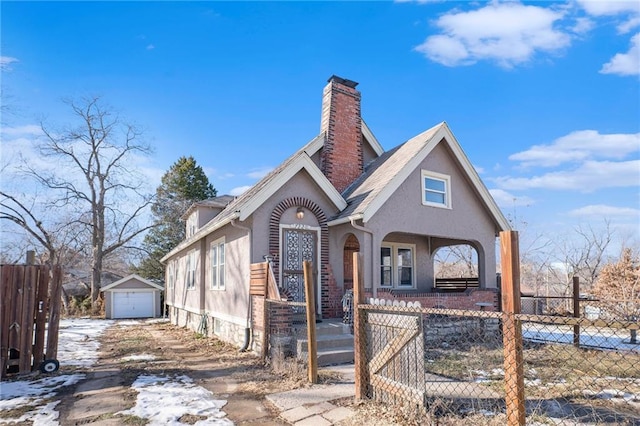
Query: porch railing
(452, 285)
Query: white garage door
(132, 304)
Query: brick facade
(341, 157)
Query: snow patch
(141, 357)
(164, 399)
(77, 341)
(33, 393)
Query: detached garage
(132, 297)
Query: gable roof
(216, 203)
(371, 138)
(247, 203)
(132, 277)
(385, 175)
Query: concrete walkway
(313, 406)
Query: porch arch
(474, 260)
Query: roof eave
(129, 277)
(201, 233)
(373, 141)
(303, 161)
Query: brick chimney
(341, 156)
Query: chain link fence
(466, 367)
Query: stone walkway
(313, 406)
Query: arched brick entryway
(274, 244)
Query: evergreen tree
(184, 184)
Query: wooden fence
(29, 307)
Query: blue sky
(544, 97)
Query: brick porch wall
(467, 300)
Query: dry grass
(406, 415)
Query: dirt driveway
(132, 349)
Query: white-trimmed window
(171, 274)
(436, 189)
(191, 269)
(216, 254)
(397, 265)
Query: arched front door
(351, 246)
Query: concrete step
(327, 341)
(332, 356)
(326, 327)
(335, 356)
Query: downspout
(353, 219)
(247, 329)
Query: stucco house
(340, 193)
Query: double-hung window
(171, 274)
(217, 265)
(436, 189)
(192, 259)
(397, 265)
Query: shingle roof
(231, 211)
(380, 172)
(215, 202)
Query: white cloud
(6, 61)
(583, 25)
(239, 190)
(590, 176)
(508, 33)
(579, 146)
(603, 210)
(259, 173)
(629, 25)
(625, 63)
(150, 47)
(506, 199)
(609, 7)
(26, 130)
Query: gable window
(191, 270)
(217, 265)
(396, 266)
(436, 189)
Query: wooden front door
(298, 245)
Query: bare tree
(94, 178)
(618, 286)
(620, 282)
(584, 255)
(59, 241)
(460, 260)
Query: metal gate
(299, 245)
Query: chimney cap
(349, 83)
